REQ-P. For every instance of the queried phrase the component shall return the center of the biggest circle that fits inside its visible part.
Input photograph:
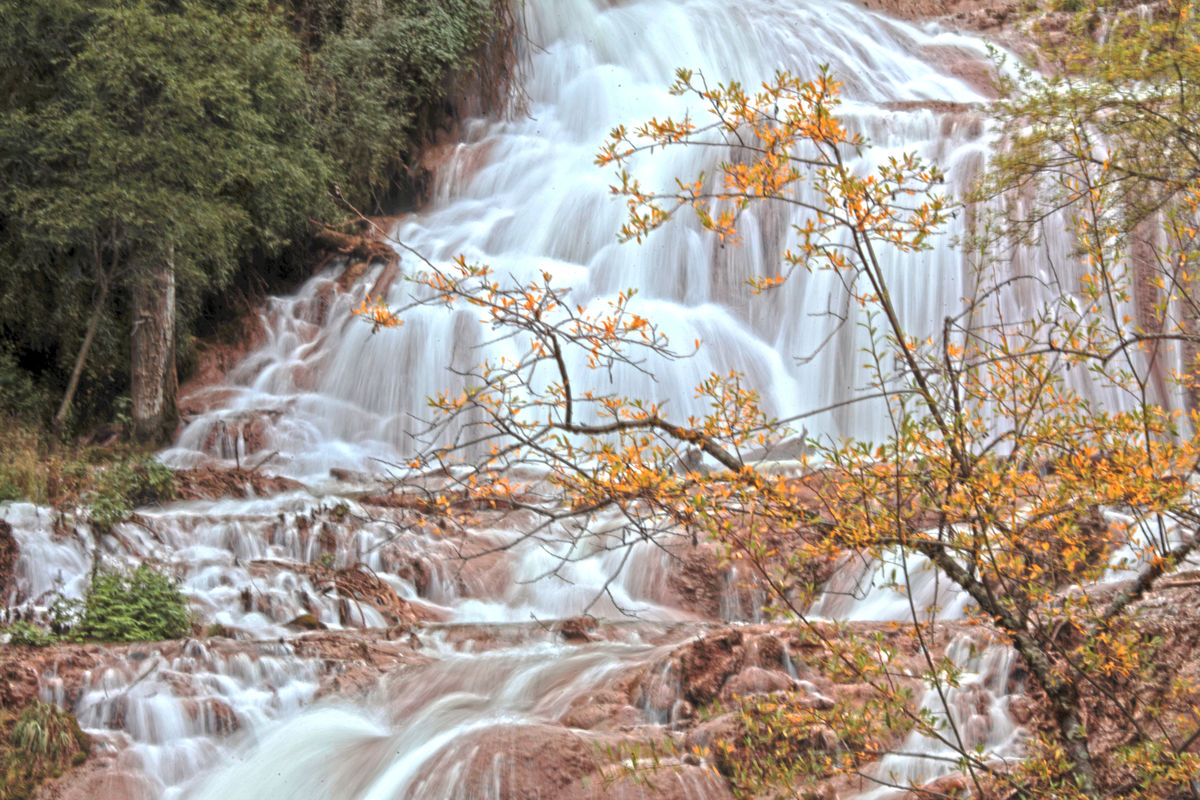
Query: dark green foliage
(209, 133)
(382, 74)
(19, 395)
(40, 742)
(126, 484)
(173, 132)
(144, 606)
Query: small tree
(999, 468)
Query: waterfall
(322, 393)
(523, 196)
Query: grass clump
(110, 481)
(142, 606)
(38, 743)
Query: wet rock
(485, 575)
(8, 558)
(214, 483)
(1020, 708)
(576, 630)
(948, 787)
(526, 761)
(977, 15)
(705, 665)
(354, 680)
(215, 358)
(411, 568)
(306, 622)
(817, 701)
(682, 711)
(722, 728)
(18, 684)
(105, 782)
(215, 715)
(669, 781)
(242, 436)
(698, 579)
(756, 680)
(360, 584)
(821, 737)
(350, 476)
(602, 717)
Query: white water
(323, 393)
(524, 196)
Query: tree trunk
(85, 347)
(152, 338)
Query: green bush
(28, 634)
(144, 606)
(125, 485)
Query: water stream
(241, 717)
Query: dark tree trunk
(152, 339)
(85, 347)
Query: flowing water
(488, 681)
(523, 196)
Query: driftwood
(357, 247)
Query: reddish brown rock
(976, 15)
(212, 483)
(526, 761)
(948, 787)
(706, 734)
(576, 629)
(18, 682)
(756, 680)
(697, 579)
(101, 781)
(611, 716)
(218, 717)
(203, 390)
(8, 558)
(708, 663)
(668, 781)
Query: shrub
(41, 743)
(126, 484)
(144, 606)
(29, 635)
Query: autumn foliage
(1031, 454)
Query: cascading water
(523, 196)
(322, 393)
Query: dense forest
(160, 157)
